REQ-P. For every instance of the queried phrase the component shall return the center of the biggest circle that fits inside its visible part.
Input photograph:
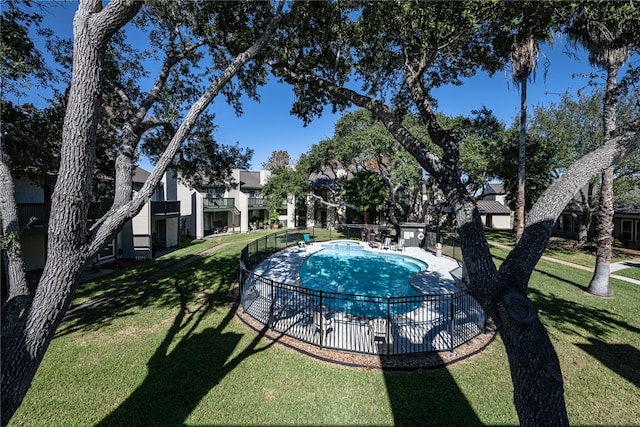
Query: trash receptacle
(438, 249)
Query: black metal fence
(450, 244)
(359, 323)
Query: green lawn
(170, 352)
(563, 249)
(632, 272)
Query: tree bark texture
(24, 348)
(18, 293)
(600, 284)
(13, 261)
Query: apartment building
(236, 206)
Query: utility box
(413, 233)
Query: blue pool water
(362, 279)
(343, 245)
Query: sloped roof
(494, 188)
(492, 207)
(327, 177)
(250, 180)
(140, 175)
(624, 209)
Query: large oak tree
(29, 320)
(399, 51)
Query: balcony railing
(219, 204)
(165, 208)
(40, 213)
(261, 203)
(258, 203)
(32, 217)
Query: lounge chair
(387, 243)
(400, 245)
(321, 322)
(307, 239)
(378, 330)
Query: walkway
(615, 266)
(158, 274)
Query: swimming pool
(442, 317)
(344, 245)
(370, 278)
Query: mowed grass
(632, 272)
(563, 249)
(171, 352)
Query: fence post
(388, 322)
(321, 322)
(271, 306)
(451, 320)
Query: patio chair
(387, 243)
(378, 330)
(307, 239)
(321, 322)
(400, 245)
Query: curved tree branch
(520, 262)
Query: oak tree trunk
(67, 254)
(536, 374)
(71, 243)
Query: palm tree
(524, 57)
(367, 192)
(603, 35)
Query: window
(567, 222)
(158, 194)
(107, 251)
(215, 192)
(559, 224)
(626, 229)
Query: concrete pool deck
(283, 266)
(442, 319)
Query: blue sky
(268, 126)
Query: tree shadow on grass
(428, 399)
(191, 360)
(578, 319)
(179, 377)
(156, 290)
(568, 280)
(622, 359)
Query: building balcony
(219, 204)
(258, 203)
(165, 209)
(37, 214)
